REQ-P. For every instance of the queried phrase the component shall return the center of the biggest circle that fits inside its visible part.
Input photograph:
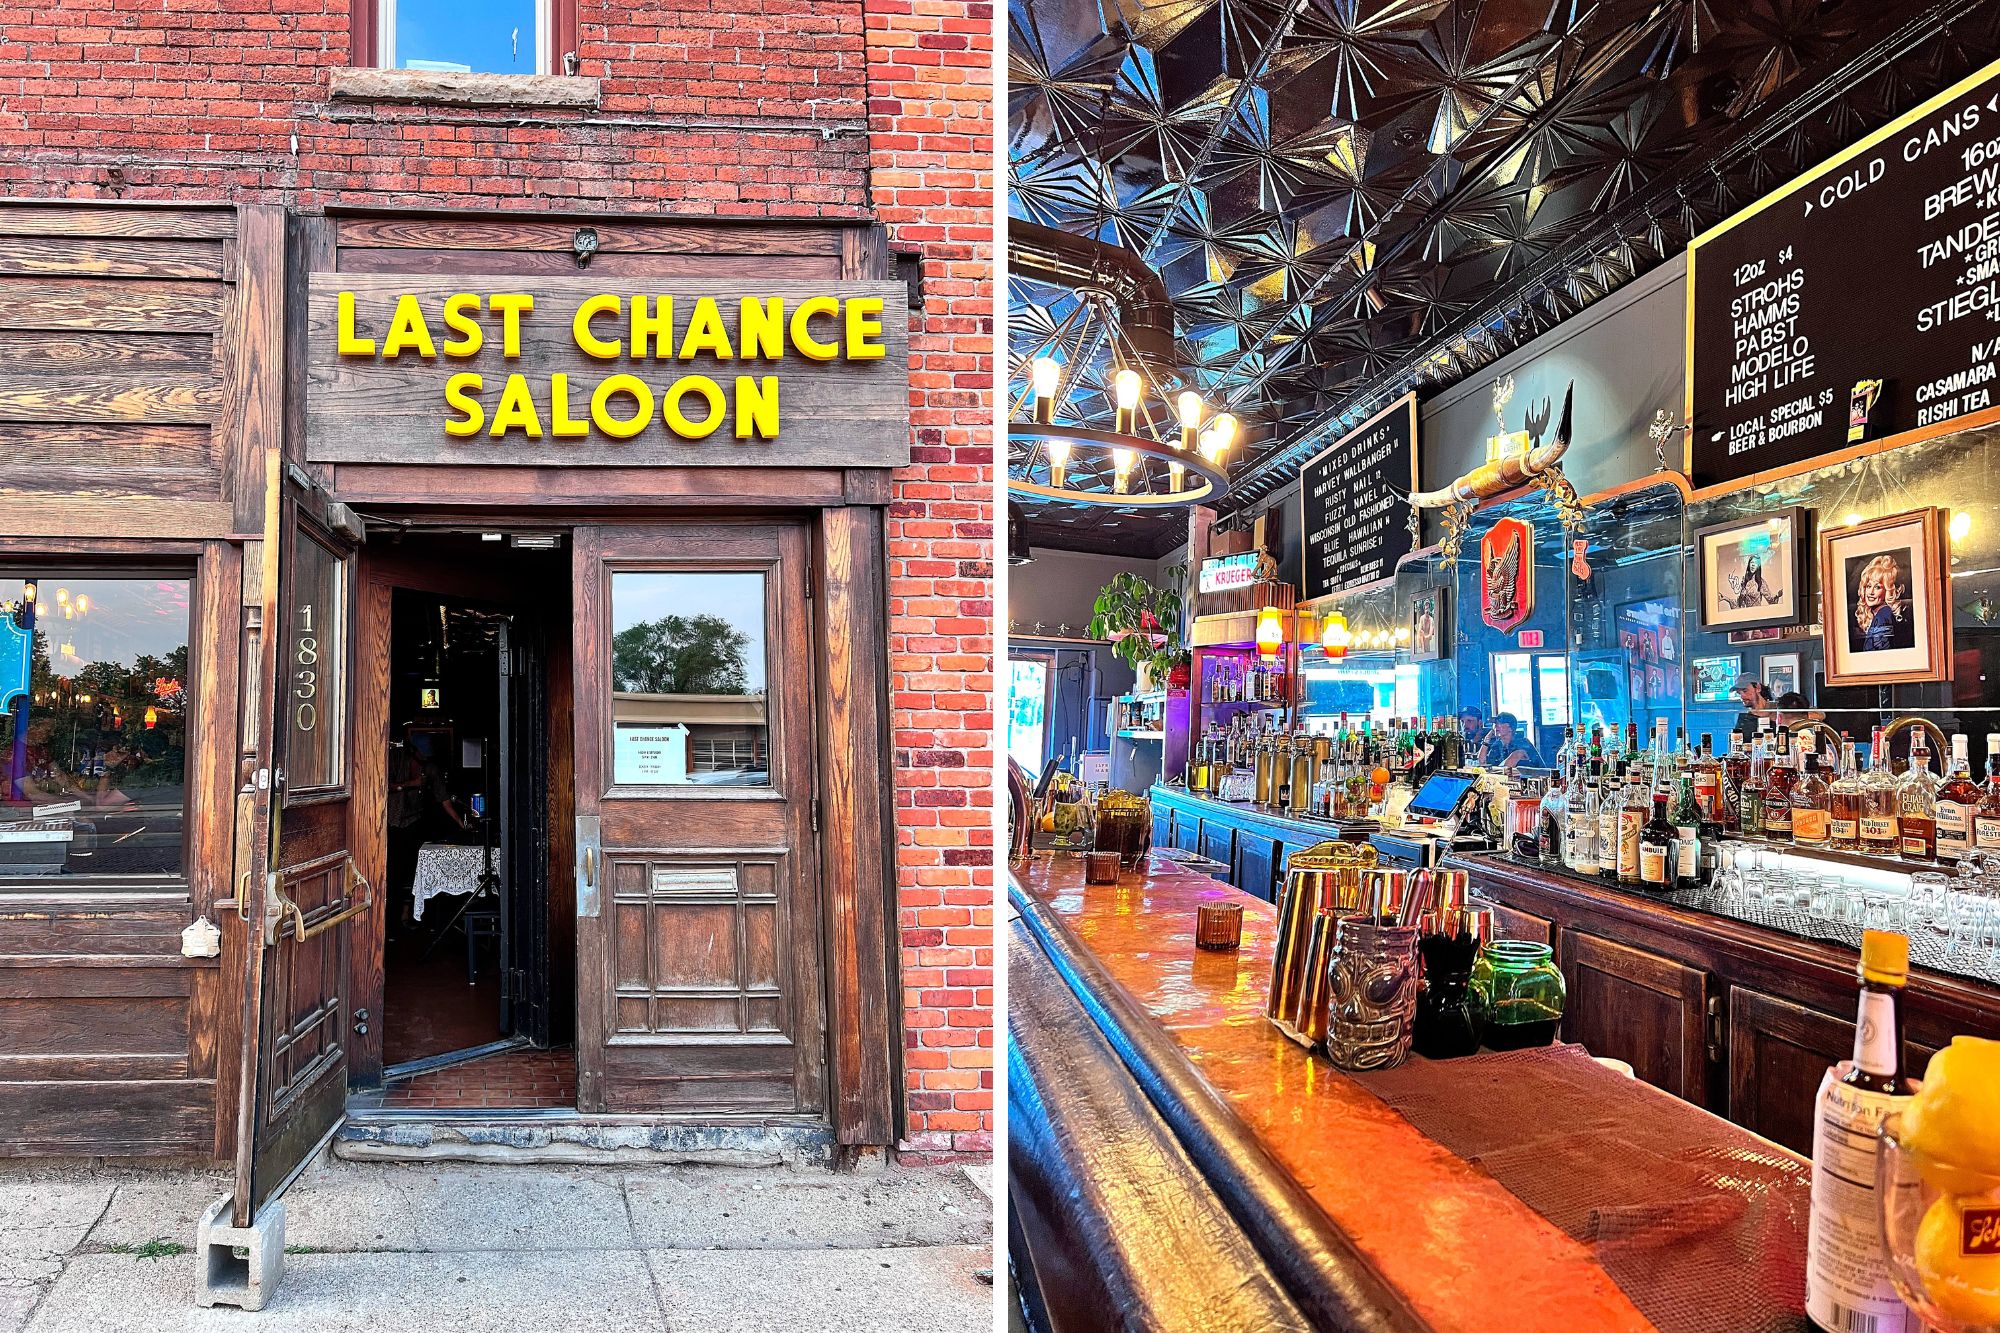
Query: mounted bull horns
(1491, 479)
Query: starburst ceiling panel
(1349, 198)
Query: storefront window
(316, 667)
(688, 701)
(93, 736)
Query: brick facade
(751, 108)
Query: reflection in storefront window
(93, 736)
(687, 680)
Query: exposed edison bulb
(1121, 464)
(1125, 390)
(1225, 432)
(1058, 462)
(1850, 520)
(1045, 375)
(1176, 475)
(1190, 408)
(62, 596)
(1961, 524)
(1402, 634)
(83, 603)
(1207, 444)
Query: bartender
(1758, 706)
(1472, 730)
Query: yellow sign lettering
(510, 306)
(561, 424)
(591, 344)
(458, 307)
(760, 328)
(757, 407)
(516, 410)
(652, 335)
(461, 393)
(349, 344)
(407, 329)
(677, 421)
(863, 332)
(813, 307)
(600, 411)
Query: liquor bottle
(1707, 772)
(1881, 829)
(1846, 801)
(1916, 804)
(1778, 793)
(1688, 822)
(1735, 768)
(1751, 794)
(1610, 800)
(1632, 813)
(1580, 848)
(1656, 847)
(1553, 821)
(1847, 1275)
(1986, 824)
(1812, 800)
(1957, 802)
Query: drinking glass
(1728, 885)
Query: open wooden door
(297, 885)
(699, 978)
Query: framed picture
(1715, 678)
(1752, 570)
(1430, 624)
(1780, 673)
(1886, 620)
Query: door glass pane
(687, 680)
(1553, 688)
(93, 725)
(1513, 690)
(316, 669)
(1027, 711)
(476, 36)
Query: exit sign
(1531, 638)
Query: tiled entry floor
(526, 1078)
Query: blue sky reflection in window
(477, 36)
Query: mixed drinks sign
(1858, 302)
(1356, 502)
(578, 372)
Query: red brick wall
(930, 107)
(778, 108)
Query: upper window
(93, 724)
(468, 36)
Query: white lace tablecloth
(444, 867)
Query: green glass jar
(1517, 994)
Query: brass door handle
(353, 908)
(590, 866)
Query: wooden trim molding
(856, 833)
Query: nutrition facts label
(1883, 265)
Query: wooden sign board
(1354, 500)
(404, 368)
(1881, 267)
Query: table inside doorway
(446, 867)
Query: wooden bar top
(1467, 1254)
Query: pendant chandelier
(1164, 448)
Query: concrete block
(248, 1279)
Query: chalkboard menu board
(1355, 498)
(1880, 265)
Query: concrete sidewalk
(514, 1249)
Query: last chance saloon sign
(577, 372)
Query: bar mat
(1699, 1222)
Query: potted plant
(1143, 625)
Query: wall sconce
(1334, 637)
(1270, 631)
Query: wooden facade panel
(614, 236)
(112, 451)
(138, 305)
(552, 264)
(62, 353)
(79, 924)
(99, 1030)
(188, 397)
(71, 256)
(111, 516)
(115, 1117)
(28, 218)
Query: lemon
(1962, 1287)
(1953, 1123)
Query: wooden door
(297, 886)
(699, 980)
(1639, 1007)
(1778, 1051)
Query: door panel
(698, 903)
(1640, 1007)
(297, 884)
